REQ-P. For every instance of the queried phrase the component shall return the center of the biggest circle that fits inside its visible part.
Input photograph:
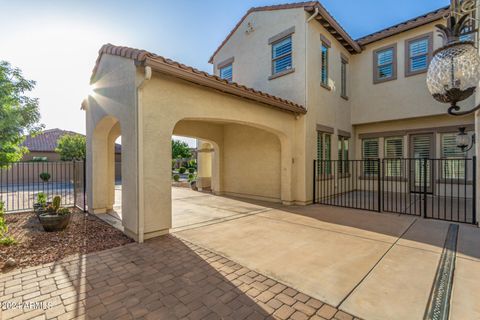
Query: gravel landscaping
(85, 234)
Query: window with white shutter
(324, 152)
(385, 64)
(227, 72)
(393, 156)
(418, 54)
(453, 167)
(370, 151)
(282, 55)
(343, 147)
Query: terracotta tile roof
(46, 141)
(164, 65)
(309, 6)
(405, 26)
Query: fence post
(474, 190)
(314, 181)
(425, 188)
(379, 185)
(75, 181)
(84, 186)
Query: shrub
(182, 170)
(42, 198)
(45, 176)
(191, 177)
(191, 170)
(192, 164)
(176, 177)
(4, 239)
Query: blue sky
(56, 42)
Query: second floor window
(418, 51)
(343, 91)
(226, 72)
(282, 55)
(324, 71)
(385, 64)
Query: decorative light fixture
(454, 71)
(464, 141)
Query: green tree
(180, 149)
(71, 147)
(19, 113)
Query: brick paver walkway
(165, 278)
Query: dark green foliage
(182, 170)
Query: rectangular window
(393, 157)
(324, 71)
(343, 91)
(385, 64)
(453, 165)
(282, 55)
(370, 152)
(418, 54)
(343, 147)
(324, 152)
(227, 72)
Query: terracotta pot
(54, 222)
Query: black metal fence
(21, 182)
(441, 189)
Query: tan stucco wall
(406, 97)
(114, 101)
(253, 55)
(252, 163)
(164, 102)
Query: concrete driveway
(375, 266)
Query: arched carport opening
(106, 168)
(234, 159)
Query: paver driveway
(375, 266)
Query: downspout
(313, 16)
(139, 115)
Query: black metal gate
(441, 189)
(21, 182)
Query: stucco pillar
(204, 166)
(286, 175)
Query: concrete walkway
(375, 266)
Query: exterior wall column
(286, 165)
(204, 165)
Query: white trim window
(453, 159)
(226, 72)
(370, 151)
(393, 157)
(324, 67)
(324, 153)
(343, 148)
(282, 55)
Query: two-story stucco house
(290, 87)
(365, 98)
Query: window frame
(408, 42)
(224, 67)
(397, 161)
(225, 63)
(343, 145)
(376, 78)
(274, 40)
(344, 77)
(325, 44)
(376, 168)
(325, 154)
(456, 160)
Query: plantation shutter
(393, 155)
(454, 165)
(370, 151)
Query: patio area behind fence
(442, 189)
(21, 182)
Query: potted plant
(55, 218)
(41, 204)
